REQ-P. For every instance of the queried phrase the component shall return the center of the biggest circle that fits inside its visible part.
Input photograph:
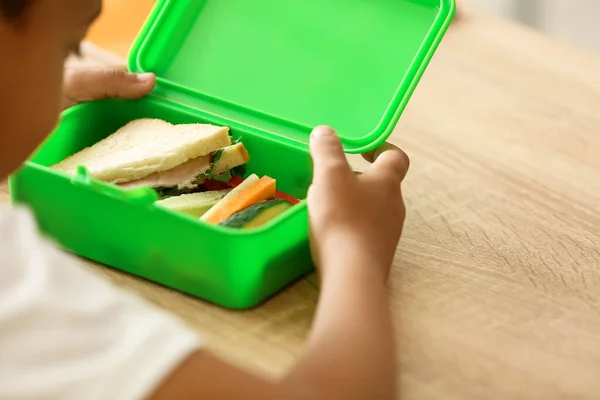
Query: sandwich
(172, 159)
(197, 170)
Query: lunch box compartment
(270, 70)
(125, 229)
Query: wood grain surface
(496, 284)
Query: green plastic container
(271, 70)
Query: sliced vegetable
(216, 156)
(249, 192)
(196, 204)
(257, 214)
(239, 171)
(214, 184)
(164, 193)
(236, 181)
(287, 197)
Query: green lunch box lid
(282, 67)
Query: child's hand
(89, 84)
(357, 216)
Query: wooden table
(496, 285)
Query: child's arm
(356, 223)
(66, 333)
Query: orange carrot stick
(263, 189)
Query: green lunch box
(271, 70)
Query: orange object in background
(119, 24)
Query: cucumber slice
(257, 214)
(195, 204)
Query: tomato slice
(287, 197)
(213, 184)
(235, 181)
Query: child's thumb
(83, 85)
(117, 83)
(327, 152)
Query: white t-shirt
(65, 333)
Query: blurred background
(573, 21)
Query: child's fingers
(390, 160)
(370, 156)
(91, 84)
(122, 84)
(328, 154)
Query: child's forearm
(350, 354)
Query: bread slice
(186, 175)
(145, 146)
(232, 157)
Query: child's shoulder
(25, 251)
(20, 242)
(8, 213)
(49, 302)
(18, 227)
